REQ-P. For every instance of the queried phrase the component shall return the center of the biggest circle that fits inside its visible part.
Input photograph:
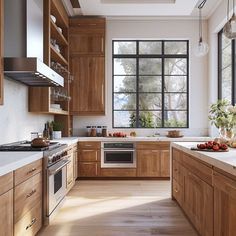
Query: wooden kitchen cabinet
(88, 86)
(6, 204)
(153, 159)
(224, 205)
(192, 189)
(1, 50)
(89, 156)
(149, 162)
(87, 64)
(75, 157)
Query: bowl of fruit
(118, 135)
(211, 146)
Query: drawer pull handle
(31, 171)
(31, 193)
(70, 182)
(31, 224)
(176, 190)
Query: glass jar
(88, 131)
(99, 131)
(104, 131)
(93, 131)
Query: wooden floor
(119, 208)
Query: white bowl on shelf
(56, 106)
(54, 19)
(59, 29)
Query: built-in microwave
(118, 155)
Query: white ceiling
(144, 8)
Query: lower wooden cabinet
(118, 172)
(224, 205)
(6, 213)
(165, 163)
(198, 203)
(89, 169)
(70, 172)
(149, 163)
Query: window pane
(227, 83)
(175, 66)
(124, 66)
(150, 84)
(226, 56)
(124, 47)
(124, 119)
(175, 101)
(124, 101)
(124, 84)
(150, 66)
(175, 84)
(225, 41)
(149, 101)
(175, 118)
(150, 47)
(149, 119)
(175, 48)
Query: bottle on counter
(88, 131)
(46, 131)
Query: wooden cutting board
(208, 150)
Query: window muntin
(150, 87)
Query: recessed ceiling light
(138, 1)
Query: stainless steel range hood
(23, 44)
(32, 72)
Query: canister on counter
(93, 131)
(104, 131)
(99, 131)
(88, 131)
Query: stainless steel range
(55, 161)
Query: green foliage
(174, 123)
(57, 126)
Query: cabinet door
(198, 203)
(165, 163)
(75, 154)
(148, 163)
(88, 88)
(89, 169)
(86, 43)
(70, 172)
(224, 206)
(6, 216)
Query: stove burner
(25, 146)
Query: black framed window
(150, 83)
(226, 68)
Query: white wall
(16, 123)
(157, 29)
(215, 23)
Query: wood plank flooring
(119, 208)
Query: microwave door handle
(53, 171)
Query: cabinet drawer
(118, 172)
(6, 182)
(177, 191)
(153, 145)
(89, 145)
(201, 170)
(31, 223)
(27, 171)
(26, 195)
(178, 173)
(89, 155)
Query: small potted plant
(57, 128)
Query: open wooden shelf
(58, 111)
(56, 34)
(57, 57)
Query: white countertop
(10, 161)
(132, 139)
(222, 160)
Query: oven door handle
(54, 169)
(119, 150)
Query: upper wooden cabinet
(1, 52)
(87, 36)
(87, 64)
(88, 86)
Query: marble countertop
(225, 161)
(10, 161)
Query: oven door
(56, 184)
(118, 158)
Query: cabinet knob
(31, 171)
(176, 190)
(31, 224)
(31, 193)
